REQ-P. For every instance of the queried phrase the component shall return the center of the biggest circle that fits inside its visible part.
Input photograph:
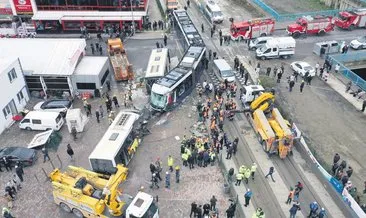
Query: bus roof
(115, 135)
(157, 62)
(186, 25)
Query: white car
(302, 67)
(57, 105)
(358, 43)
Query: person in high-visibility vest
(242, 169)
(239, 177)
(170, 163)
(185, 157)
(259, 213)
(247, 175)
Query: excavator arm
(263, 101)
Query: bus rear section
(118, 145)
(158, 66)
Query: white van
(258, 42)
(42, 120)
(213, 12)
(223, 69)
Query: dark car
(25, 155)
(57, 105)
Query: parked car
(302, 67)
(57, 105)
(25, 156)
(359, 43)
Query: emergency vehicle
(351, 19)
(311, 25)
(252, 28)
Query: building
(71, 15)
(16, 96)
(48, 64)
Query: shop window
(86, 86)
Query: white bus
(213, 12)
(118, 144)
(158, 66)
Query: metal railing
(341, 59)
(290, 17)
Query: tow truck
(252, 28)
(273, 131)
(89, 194)
(351, 19)
(311, 25)
(118, 57)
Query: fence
(290, 17)
(349, 74)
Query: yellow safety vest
(242, 169)
(239, 176)
(247, 173)
(170, 161)
(254, 168)
(185, 156)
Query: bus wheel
(65, 207)
(77, 213)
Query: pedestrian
(239, 177)
(170, 163)
(6, 213)
(152, 168)
(316, 68)
(246, 77)
(101, 111)
(212, 32)
(336, 68)
(247, 173)
(259, 213)
(11, 184)
(336, 158)
(154, 181)
(247, 196)
(115, 101)
(349, 171)
(322, 213)
(88, 107)
(230, 212)
(363, 105)
(302, 85)
(7, 163)
(279, 76)
(235, 145)
(221, 39)
(19, 171)
(206, 210)
(74, 133)
(199, 211)
(293, 210)
(92, 48)
(229, 152)
(313, 208)
(214, 55)
(157, 45)
(97, 45)
(165, 40)
(193, 209)
(100, 50)
(290, 196)
(220, 33)
(230, 175)
(97, 115)
(253, 169)
(70, 152)
(291, 85)
(188, 3)
(268, 71)
(210, 54)
(16, 182)
(177, 174)
(45, 154)
(167, 179)
(10, 192)
(270, 173)
(202, 28)
(213, 201)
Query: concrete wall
(9, 94)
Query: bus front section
(161, 98)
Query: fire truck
(311, 25)
(351, 19)
(252, 28)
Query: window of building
(12, 75)
(6, 111)
(20, 96)
(34, 121)
(86, 86)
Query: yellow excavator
(89, 194)
(263, 102)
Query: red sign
(23, 6)
(6, 11)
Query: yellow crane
(89, 194)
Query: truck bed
(120, 64)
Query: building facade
(16, 96)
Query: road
(288, 169)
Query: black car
(24, 155)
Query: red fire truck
(351, 19)
(252, 28)
(311, 25)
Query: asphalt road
(288, 169)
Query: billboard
(23, 6)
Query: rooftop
(90, 65)
(44, 56)
(5, 62)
